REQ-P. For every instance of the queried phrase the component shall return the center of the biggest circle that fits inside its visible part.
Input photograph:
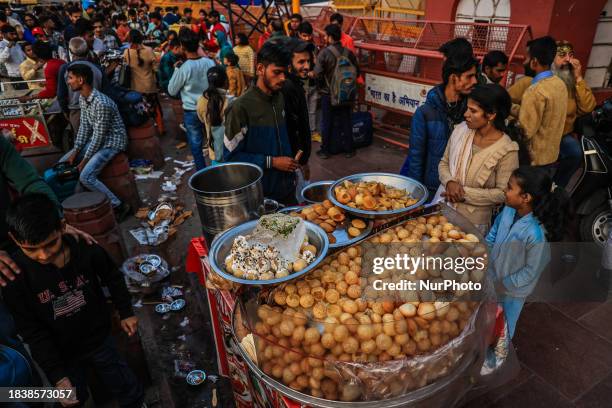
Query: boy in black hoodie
(59, 307)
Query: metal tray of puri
(414, 188)
(222, 245)
(341, 232)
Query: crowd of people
(473, 143)
(163, 51)
(478, 146)
(262, 106)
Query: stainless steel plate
(316, 192)
(414, 188)
(222, 245)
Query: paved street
(565, 349)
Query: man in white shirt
(11, 56)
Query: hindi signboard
(25, 132)
(395, 93)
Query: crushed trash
(214, 378)
(169, 293)
(183, 367)
(187, 163)
(177, 305)
(185, 322)
(182, 337)
(162, 308)
(167, 158)
(141, 166)
(168, 186)
(181, 145)
(145, 269)
(159, 224)
(138, 304)
(196, 377)
(152, 175)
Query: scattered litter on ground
(177, 305)
(159, 224)
(214, 378)
(182, 337)
(166, 197)
(181, 145)
(186, 163)
(169, 293)
(145, 269)
(167, 158)
(138, 304)
(168, 186)
(152, 175)
(185, 322)
(183, 367)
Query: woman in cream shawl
(480, 157)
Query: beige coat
(542, 116)
(143, 77)
(487, 175)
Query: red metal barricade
(400, 60)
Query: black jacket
(296, 111)
(62, 313)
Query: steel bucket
(227, 194)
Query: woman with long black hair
(211, 111)
(142, 62)
(480, 156)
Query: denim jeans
(335, 123)
(195, 137)
(112, 370)
(512, 311)
(570, 158)
(314, 114)
(89, 175)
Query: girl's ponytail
(517, 134)
(551, 204)
(217, 79)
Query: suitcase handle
(66, 171)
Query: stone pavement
(565, 349)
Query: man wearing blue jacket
(256, 127)
(434, 121)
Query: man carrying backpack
(337, 73)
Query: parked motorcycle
(591, 193)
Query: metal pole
(231, 20)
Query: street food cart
(253, 353)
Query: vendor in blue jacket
(434, 121)
(256, 130)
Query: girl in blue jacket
(534, 215)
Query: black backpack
(131, 104)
